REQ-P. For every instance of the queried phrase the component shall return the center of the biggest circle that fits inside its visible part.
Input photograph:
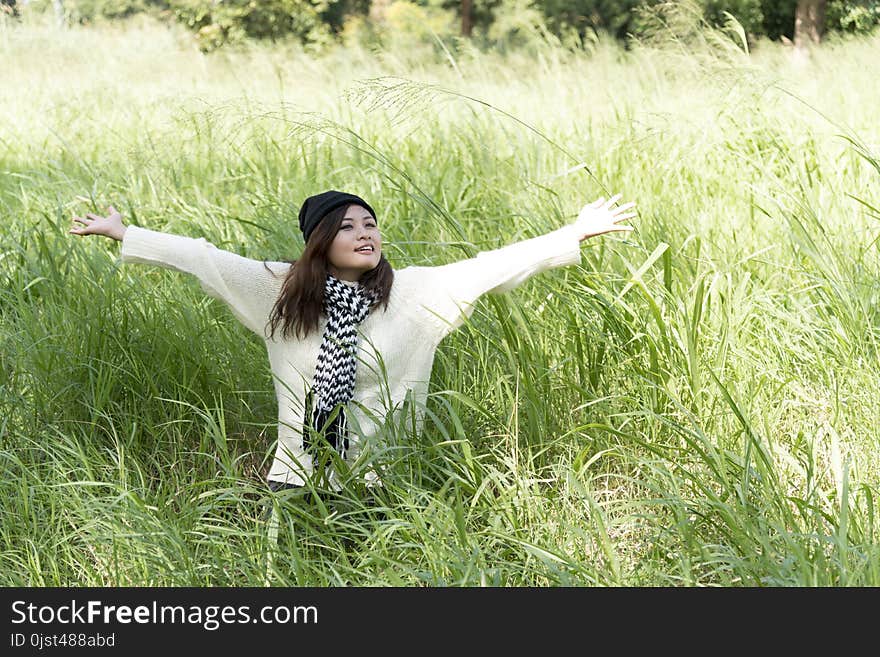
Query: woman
(348, 337)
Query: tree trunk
(378, 10)
(58, 5)
(809, 21)
(467, 24)
(9, 7)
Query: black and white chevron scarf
(346, 307)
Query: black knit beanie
(315, 208)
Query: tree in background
(88, 11)
(467, 25)
(749, 13)
(473, 14)
(809, 22)
(777, 19)
(319, 22)
(308, 21)
(774, 19)
(8, 7)
(617, 17)
(852, 16)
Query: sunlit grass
(695, 404)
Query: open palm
(603, 216)
(110, 226)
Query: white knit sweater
(396, 346)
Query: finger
(625, 206)
(111, 209)
(93, 216)
(597, 203)
(624, 217)
(616, 227)
(81, 220)
(612, 200)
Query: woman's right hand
(601, 216)
(109, 226)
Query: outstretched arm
(245, 285)
(449, 292)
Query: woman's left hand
(601, 216)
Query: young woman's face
(349, 258)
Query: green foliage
(770, 18)
(778, 18)
(748, 13)
(496, 23)
(401, 25)
(617, 17)
(483, 12)
(88, 11)
(695, 403)
(8, 8)
(337, 11)
(853, 16)
(517, 24)
(232, 21)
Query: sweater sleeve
(447, 293)
(245, 285)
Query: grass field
(697, 403)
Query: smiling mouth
(365, 249)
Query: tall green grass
(694, 404)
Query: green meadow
(695, 404)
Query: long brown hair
(301, 300)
